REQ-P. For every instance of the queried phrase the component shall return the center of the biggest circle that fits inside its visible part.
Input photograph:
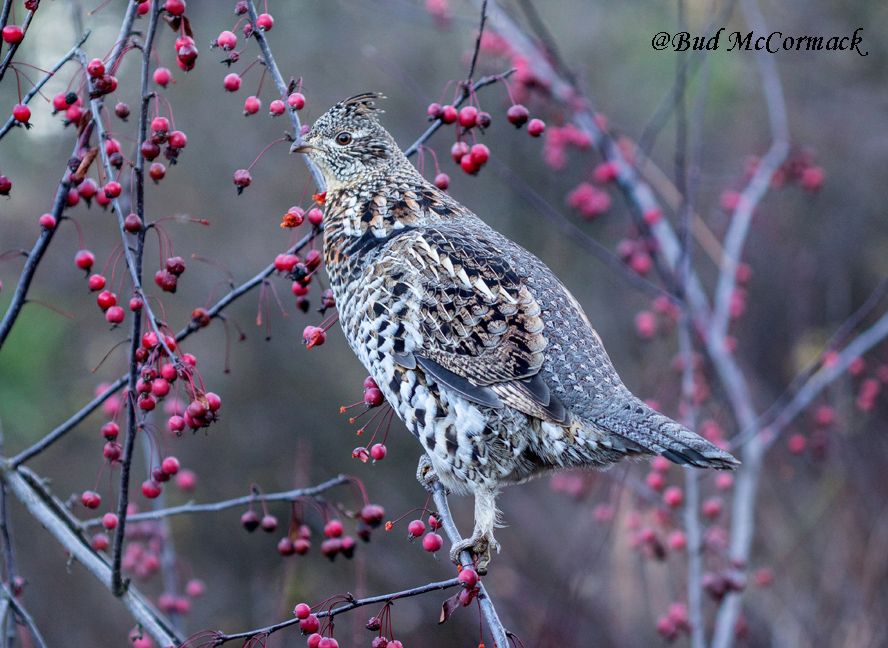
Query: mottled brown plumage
(478, 347)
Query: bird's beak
(301, 147)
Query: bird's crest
(362, 104)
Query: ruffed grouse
(483, 353)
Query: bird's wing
(479, 325)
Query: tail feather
(658, 434)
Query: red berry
(656, 481)
(265, 22)
(109, 521)
(328, 642)
(276, 107)
(313, 336)
(175, 424)
(178, 140)
(296, 101)
(170, 465)
(148, 402)
(151, 489)
(468, 165)
(242, 179)
(100, 542)
(213, 401)
(227, 40)
(175, 7)
(73, 198)
(468, 116)
(59, 102)
(373, 397)
(333, 529)
(88, 188)
(812, 179)
(186, 55)
(442, 181)
(285, 547)
(605, 172)
(712, 507)
(96, 68)
(678, 540)
(310, 624)
(673, 497)
(434, 111)
(132, 223)
(114, 315)
(252, 105)
(232, 82)
(458, 151)
(157, 171)
(110, 430)
(302, 611)
(84, 259)
(518, 115)
(186, 480)
(646, 324)
(536, 127)
(432, 542)
(269, 523)
(73, 114)
(449, 114)
(314, 640)
(796, 444)
(90, 499)
(162, 77)
(166, 280)
(250, 521)
(47, 221)
(315, 216)
(468, 577)
(479, 154)
(122, 110)
(13, 34)
(21, 113)
(113, 189)
(416, 528)
(5, 185)
(378, 452)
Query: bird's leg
(482, 540)
(425, 473)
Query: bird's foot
(479, 545)
(425, 473)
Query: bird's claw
(479, 547)
(425, 473)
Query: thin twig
(227, 504)
(134, 260)
(484, 81)
(14, 46)
(477, 43)
(11, 122)
(19, 297)
(52, 515)
(272, 67)
(351, 604)
(443, 514)
(24, 616)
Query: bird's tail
(647, 431)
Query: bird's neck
(361, 216)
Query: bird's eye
(343, 138)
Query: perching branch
(232, 503)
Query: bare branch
(493, 622)
(49, 511)
(232, 503)
(46, 77)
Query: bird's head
(347, 143)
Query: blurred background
(565, 576)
